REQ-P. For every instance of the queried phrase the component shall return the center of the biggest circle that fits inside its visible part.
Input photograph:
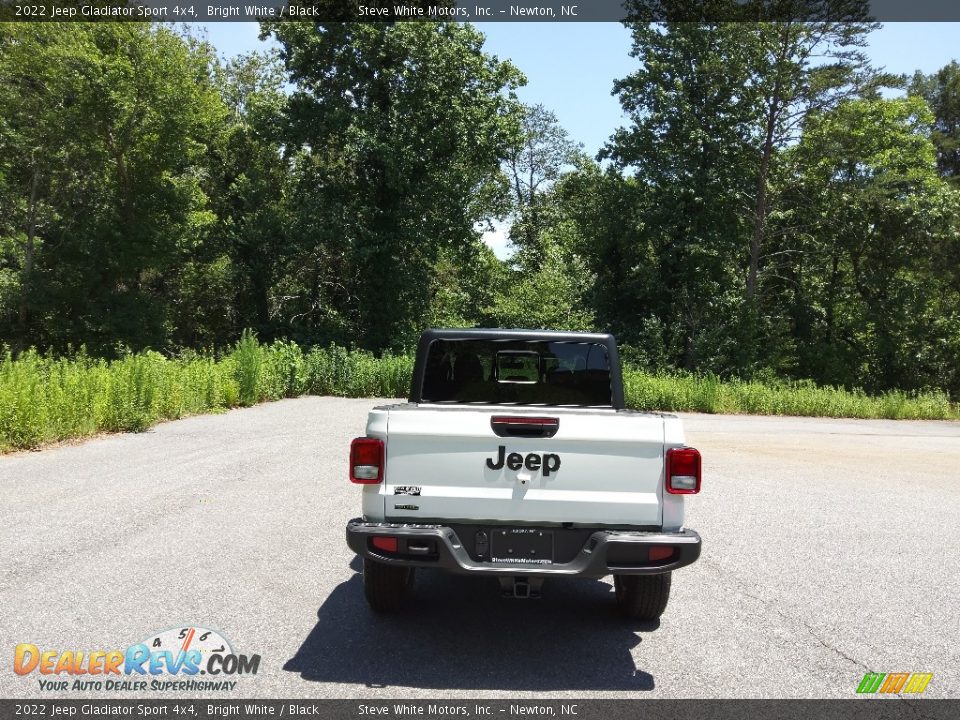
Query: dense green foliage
(106, 131)
(767, 212)
(406, 127)
(45, 400)
(942, 91)
(788, 219)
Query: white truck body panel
(610, 474)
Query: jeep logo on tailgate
(514, 461)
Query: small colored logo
(181, 652)
(894, 683)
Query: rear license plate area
(522, 545)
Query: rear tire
(387, 587)
(642, 597)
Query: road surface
(830, 549)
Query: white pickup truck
(516, 458)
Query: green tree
(467, 285)
(942, 91)
(544, 152)
(873, 306)
(29, 144)
(549, 296)
(106, 132)
(544, 282)
(792, 58)
(713, 106)
(406, 126)
(235, 277)
(605, 209)
(692, 145)
(800, 67)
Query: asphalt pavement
(830, 549)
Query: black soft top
(506, 335)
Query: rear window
(517, 372)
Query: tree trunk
(28, 254)
(832, 295)
(759, 219)
(761, 210)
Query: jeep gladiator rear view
(516, 458)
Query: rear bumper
(606, 552)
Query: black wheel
(642, 597)
(387, 587)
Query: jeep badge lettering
(514, 461)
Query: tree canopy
(773, 207)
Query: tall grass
(45, 399)
(709, 394)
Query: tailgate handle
(530, 427)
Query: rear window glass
(517, 372)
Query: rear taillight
(382, 542)
(366, 461)
(683, 471)
(660, 552)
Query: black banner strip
(861, 708)
(379, 11)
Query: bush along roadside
(709, 394)
(45, 400)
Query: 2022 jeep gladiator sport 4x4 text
(515, 457)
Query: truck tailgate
(601, 467)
